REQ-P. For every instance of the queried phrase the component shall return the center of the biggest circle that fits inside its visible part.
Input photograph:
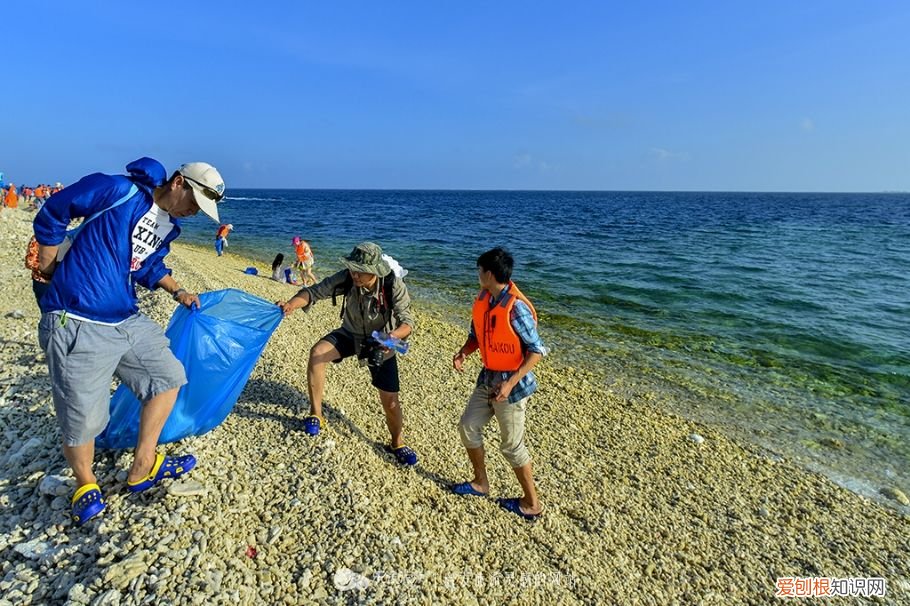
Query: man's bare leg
(151, 421)
(321, 355)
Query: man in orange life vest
(504, 329)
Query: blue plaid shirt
(523, 322)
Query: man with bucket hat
(375, 299)
(91, 328)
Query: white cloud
(526, 161)
(665, 155)
(521, 160)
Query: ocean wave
(256, 199)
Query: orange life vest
(222, 232)
(500, 346)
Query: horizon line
(638, 191)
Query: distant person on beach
(305, 261)
(12, 197)
(504, 329)
(278, 269)
(90, 325)
(374, 299)
(221, 237)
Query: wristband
(177, 293)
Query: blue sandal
(404, 455)
(513, 506)
(465, 489)
(87, 503)
(312, 424)
(164, 467)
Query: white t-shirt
(149, 234)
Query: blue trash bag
(218, 344)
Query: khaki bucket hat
(367, 258)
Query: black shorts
(385, 377)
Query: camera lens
(377, 357)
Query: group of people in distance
(280, 273)
(29, 197)
(91, 329)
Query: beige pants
(511, 418)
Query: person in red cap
(221, 237)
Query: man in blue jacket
(90, 324)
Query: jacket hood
(147, 171)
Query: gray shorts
(511, 417)
(82, 357)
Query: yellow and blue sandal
(87, 503)
(164, 467)
(312, 424)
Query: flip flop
(404, 455)
(513, 506)
(465, 489)
(164, 467)
(312, 424)
(87, 503)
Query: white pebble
(694, 437)
(346, 579)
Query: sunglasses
(207, 191)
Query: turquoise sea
(780, 317)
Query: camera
(371, 353)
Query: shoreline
(660, 517)
(824, 425)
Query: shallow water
(781, 317)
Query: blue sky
(758, 96)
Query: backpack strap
(75, 231)
(342, 289)
(387, 283)
(72, 233)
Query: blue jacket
(94, 278)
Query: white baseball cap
(207, 184)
